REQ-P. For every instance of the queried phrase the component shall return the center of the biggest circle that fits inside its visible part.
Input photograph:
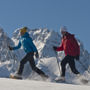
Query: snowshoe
(15, 76)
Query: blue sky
(51, 14)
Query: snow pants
(29, 57)
(68, 60)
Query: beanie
(63, 29)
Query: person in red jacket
(72, 51)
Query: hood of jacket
(68, 36)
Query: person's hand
(36, 54)
(77, 57)
(10, 48)
(54, 47)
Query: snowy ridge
(7, 58)
(44, 41)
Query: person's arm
(18, 46)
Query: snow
(44, 41)
(11, 84)
(49, 66)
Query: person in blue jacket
(31, 50)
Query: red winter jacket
(69, 45)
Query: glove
(37, 55)
(10, 48)
(77, 57)
(54, 47)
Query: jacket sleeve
(60, 48)
(18, 46)
(33, 47)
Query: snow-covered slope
(7, 58)
(7, 84)
(44, 41)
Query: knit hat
(63, 29)
(23, 30)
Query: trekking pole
(58, 62)
(11, 54)
(83, 66)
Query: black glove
(10, 48)
(36, 54)
(54, 47)
(77, 57)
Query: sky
(51, 14)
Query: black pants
(29, 57)
(68, 60)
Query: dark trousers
(29, 57)
(68, 60)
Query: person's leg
(72, 65)
(63, 66)
(21, 67)
(33, 66)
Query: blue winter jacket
(27, 44)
